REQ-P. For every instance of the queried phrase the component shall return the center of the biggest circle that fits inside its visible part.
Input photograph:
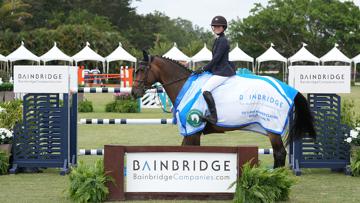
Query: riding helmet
(219, 20)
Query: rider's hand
(199, 71)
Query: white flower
(349, 139)
(354, 133)
(5, 133)
(357, 128)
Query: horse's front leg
(192, 140)
(278, 149)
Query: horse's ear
(145, 55)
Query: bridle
(141, 83)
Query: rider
(219, 66)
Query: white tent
(271, 55)
(303, 55)
(203, 55)
(356, 60)
(119, 54)
(87, 54)
(239, 55)
(175, 54)
(22, 53)
(55, 54)
(335, 55)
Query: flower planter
(6, 148)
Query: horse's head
(144, 76)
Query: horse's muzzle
(137, 92)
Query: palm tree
(13, 13)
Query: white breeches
(213, 82)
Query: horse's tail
(303, 124)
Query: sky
(200, 12)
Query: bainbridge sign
(181, 172)
(175, 172)
(320, 79)
(45, 79)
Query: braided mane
(176, 62)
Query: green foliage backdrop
(104, 23)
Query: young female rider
(219, 66)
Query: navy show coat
(220, 65)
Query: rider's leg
(211, 84)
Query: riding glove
(199, 71)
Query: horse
(173, 75)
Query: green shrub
(355, 163)
(263, 185)
(348, 113)
(4, 162)
(85, 106)
(4, 76)
(11, 115)
(6, 86)
(122, 106)
(87, 183)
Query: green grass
(315, 185)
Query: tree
(12, 14)
(287, 23)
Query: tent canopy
(120, 54)
(55, 54)
(335, 55)
(22, 53)
(175, 54)
(356, 59)
(304, 55)
(271, 55)
(3, 58)
(203, 55)
(239, 55)
(87, 54)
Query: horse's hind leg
(278, 150)
(192, 140)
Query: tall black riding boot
(212, 118)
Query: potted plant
(88, 183)
(5, 140)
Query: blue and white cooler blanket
(257, 103)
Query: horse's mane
(176, 63)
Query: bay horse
(173, 75)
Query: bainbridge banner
(180, 172)
(320, 79)
(44, 79)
